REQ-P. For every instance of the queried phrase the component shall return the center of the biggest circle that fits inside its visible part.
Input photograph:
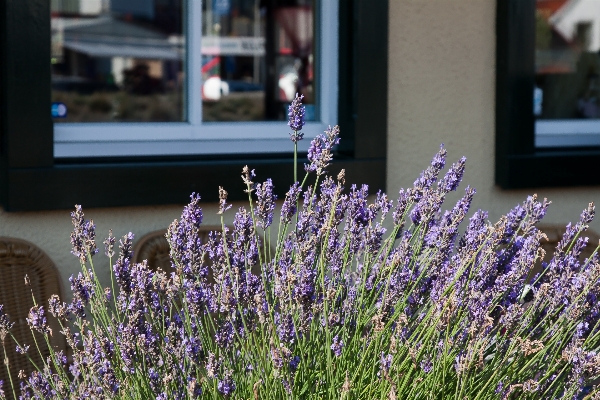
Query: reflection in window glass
(256, 55)
(117, 60)
(567, 60)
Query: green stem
(296, 159)
(12, 385)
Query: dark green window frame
(31, 179)
(519, 164)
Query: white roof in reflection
(107, 37)
(133, 50)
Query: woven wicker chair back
(17, 259)
(154, 248)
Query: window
(547, 116)
(567, 73)
(129, 62)
(161, 160)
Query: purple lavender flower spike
(385, 363)
(82, 287)
(452, 179)
(186, 244)
(226, 386)
(265, 204)
(296, 113)
(5, 324)
(22, 349)
(225, 335)
(40, 383)
(426, 366)
(337, 346)
(359, 216)
(289, 207)
(122, 268)
(294, 362)
(320, 150)
(404, 199)
(500, 388)
(588, 214)
(535, 212)
(83, 237)
(429, 175)
(285, 328)
(36, 320)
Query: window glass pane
(567, 73)
(256, 55)
(117, 60)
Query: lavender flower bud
(247, 176)
(109, 244)
(296, 118)
(223, 206)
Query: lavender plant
(337, 307)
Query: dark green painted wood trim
(111, 185)
(3, 146)
(518, 164)
(514, 82)
(28, 126)
(372, 79)
(347, 50)
(553, 169)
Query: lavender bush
(337, 307)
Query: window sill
(137, 139)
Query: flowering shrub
(337, 307)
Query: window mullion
(327, 23)
(194, 61)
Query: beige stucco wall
(441, 90)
